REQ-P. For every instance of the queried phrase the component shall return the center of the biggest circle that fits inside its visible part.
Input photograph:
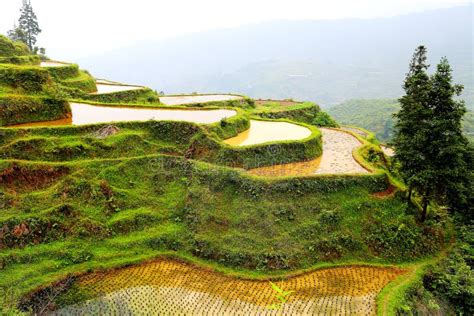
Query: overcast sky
(78, 28)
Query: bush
(322, 119)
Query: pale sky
(78, 28)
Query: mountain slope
(322, 61)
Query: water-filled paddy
(266, 131)
(83, 114)
(190, 99)
(52, 64)
(170, 287)
(110, 88)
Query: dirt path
(337, 153)
(336, 158)
(170, 287)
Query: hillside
(111, 180)
(321, 61)
(376, 115)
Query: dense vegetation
(377, 115)
(73, 200)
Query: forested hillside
(376, 115)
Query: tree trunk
(425, 209)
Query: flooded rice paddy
(52, 64)
(111, 88)
(265, 131)
(173, 288)
(83, 114)
(190, 99)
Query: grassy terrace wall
(16, 109)
(83, 82)
(64, 72)
(210, 149)
(33, 60)
(128, 96)
(245, 103)
(303, 112)
(27, 79)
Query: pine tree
(434, 157)
(411, 122)
(29, 24)
(449, 147)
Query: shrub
(322, 119)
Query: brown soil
(19, 178)
(387, 193)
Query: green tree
(433, 155)
(412, 125)
(449, 148)
(17, 34)
(28, 23)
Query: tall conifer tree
(28, 23)
(412, 120)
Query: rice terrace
(119, 200)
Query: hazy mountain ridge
(322, 61)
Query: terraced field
(52, 64)
(83, 114)
(170, 287)
(264, 131)
(337, 158)
(111, 88)
(190, 99)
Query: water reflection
(266, 131)
(83, 114)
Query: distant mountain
(376, 115)
(326, 61)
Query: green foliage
(281, 295)
(28, 23)
(32, 60)
(322, 119)
(64, 72)
(431, 150)
(207, 148)
(299, 112)
(144, 95)
(448, 286)
(374, 115)
(83, 82)
(27, 78)
(16, 109)
(8, 48)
